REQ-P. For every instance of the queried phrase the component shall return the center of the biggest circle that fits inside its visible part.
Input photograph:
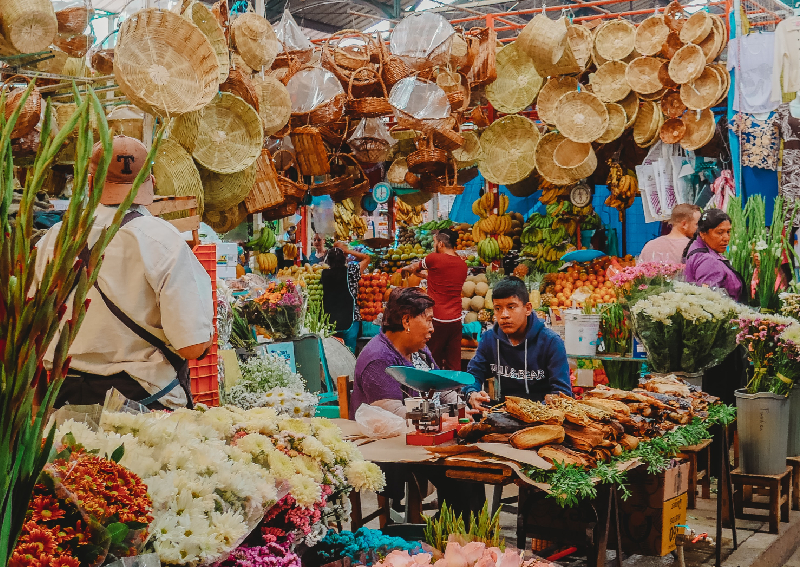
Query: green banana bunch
(264, 242)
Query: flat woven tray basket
(225, 191)
(176, 174)
(508, 150)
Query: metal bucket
(794, 423)
(761, 420)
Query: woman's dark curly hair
(404, 301)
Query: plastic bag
(378, 423)
(311, 87)
(421, 99)
(422, 40)
(291, 36)
(147, 560)
(372, 128)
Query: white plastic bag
(291, 36)
(311, 87)
(378, 423)
(422, 39)
(423, 100)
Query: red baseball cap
(127, 159)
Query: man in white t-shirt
(669, 248)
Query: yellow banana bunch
(477, 233)
(483, 206)
(501, 210)
(290, 251)
(505, 243)
(267, 263)
(622, 187)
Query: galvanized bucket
(762, 420)
(794, 423)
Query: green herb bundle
(317, 321)
(484, 528)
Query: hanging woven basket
(368, 107)
(508, 149)
(345, 173)
(203, 18)
(102, 61)
(225, 191)
(699, 129)
(242, 86)
(427, 159)
(580, 42)
(672, 131)
(266, 191)
(672, 106)
(311, 153)
(28, 25)
(74, 19)
(647, 125)
(225, 221)
(127, 120)
(722, 70)
(651, 35)
(229, 137)
(703, 91)
(285, 209)
(687, 64)
(551, 92)
(615, 40)
(581, 116)
(164, 64)
(517, 82)
(274, 104)
(545, 42)
(696, 28)
(289, 180)
(325, 113)
(609, 83)
(577, 160)
(31, 111)
(642, 75)
(468, 154)
(255, 40)
(631, 106)
(711, 45)
(176, 174)
(484, 67)
(545, 163)
(616, 123)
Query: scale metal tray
(426, 380)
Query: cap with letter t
(128, 158)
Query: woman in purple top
(705, 263)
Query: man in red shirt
(447, 273)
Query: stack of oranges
(372, 292)
(465, 240)
(590, 278)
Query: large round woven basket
(201, 16)
(578, 160)
(615, 40)
(642, 75)
(517, 82)
(226, 220)
(164, 64)
(722, 70)
(712, 44)
(176, 174)
(671, 45)
(73, 19)
(580, 41)
(699, 129)
(274, 104)
(224, 191)
(672, 106)
(651, 35)
(616, 123)
(631, 106)
(229, 137)
(241, 85)
(508, 149)
(687, 64)
(609, 83)
(468, 154)
(28, 25)
(720, 31)
(663, 76)
(581, 116)
(703, 91)
(672, 131)
(696, 27)
(544, 41)
(255, 40)
(647, 124)
(553, 89)
(545, 163)
(127, 120)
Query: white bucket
(581, 333)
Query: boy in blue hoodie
(527, 360)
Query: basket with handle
(266, 192)
(31, 111)
(285, 209)
(325, 113)
(446, 184)
(369, 150)
(427, 158)
(350, 57)
(345, 171)
(370, 106)
(332, 59)
(311, 153)
(358, 189)
(393, 68)
(484, 67)
(292, 188)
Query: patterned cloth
(353, 277)
(790, 170)
(759, 140)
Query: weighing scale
(429, 416)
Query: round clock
(368, 203)
(581, 195)
(381, 192)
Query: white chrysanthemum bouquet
(688, 329)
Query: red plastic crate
(204, 373)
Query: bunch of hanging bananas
(489, 249)
(263, 242)
(551, 193)
(347, 221)
(583, 211)
(406, 214)
(483, 205)
(623, 188)
(289, 251)
(490, 231)
(267, 263)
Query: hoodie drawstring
(497, 391)
(525, 376)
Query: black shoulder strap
(702, 250)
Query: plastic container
(762, 422)
(204, 373)
(580, 333)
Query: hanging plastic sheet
(421, 99)
(311, 87)
(422, 40)
(291, 36)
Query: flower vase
(761, 420)
(794, 423)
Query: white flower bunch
(267, 381)
(693, 303)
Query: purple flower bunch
(768, 351)
(273, 554)
(646, 271)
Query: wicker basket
(227, 220)
(672, 106)
(642, 75)
(544, 41)
(656, 96)
(580, 41)
(449, 81)
(696, 28)
(631, 106)
(102, 61)
(581, 117)
(368, 107)
(345, 174)
(28, 25)
(255, 40)
(201, 16)
(327, 112)
(285, 209)
(31, 111)
(370, 150)
(164, 64)
(517, 82)
(608, 82)
(290, 184)
(240, 85)
(354, 192)
(274, 104)
(651, 35)
(671, 45)
(721, 32)
(712, 44)
(229, 135)
(353, 56)
(444, 135)
(703, 91)
(484, 67)
(127, 120)
(726, 83)
(616, 123)
(176, 174)
(427, 159)
(335, 133)
(225, 191)
(687, 64)
(74, 45)
(672, 131)
(74, 19)
(310, 151)
(221, 12)
(397, 172)
(546, 165)
(615, 40)
(664, 78)
(699, 129)
(553, 89)
(266, 191)
(647, 124)
(394, 69)
(508, 150)
(577, 160)
(468, 154)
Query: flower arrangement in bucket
(641, 280)
(281, 308)
(773, 346)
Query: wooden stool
(699, 454)
(778, 486)
(794, 462)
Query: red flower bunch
(287, 517)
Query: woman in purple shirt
(705, 262)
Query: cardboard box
(657, 505)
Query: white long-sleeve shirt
(787, 57)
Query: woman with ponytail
(704, 255)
